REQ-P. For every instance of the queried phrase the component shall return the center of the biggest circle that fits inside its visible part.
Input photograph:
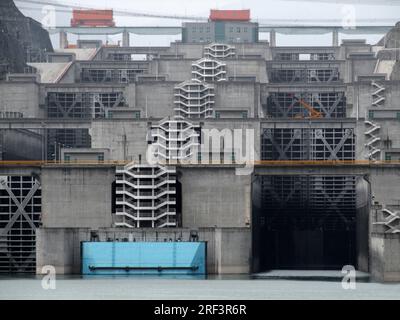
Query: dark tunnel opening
(305, 222)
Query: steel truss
(294, 56)
(128, 75)
(308, 144)
(20, 215)
(287, 105)
(83, 105)
(304, 75)
(308, 202)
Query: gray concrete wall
(77, 197)
(155, 98)
(361, 139)
(181, 69)
(126, 139)
(189, 50)
(60, 247)
(178, 70)
(237, 95)
(352, 46)
(228, 249)
(21, 97)
(130, 95)
(360, 67)
(384, 185)
(233, 251)
(385, 257)
(254, 68)
(21, 145)
(253, 49)
(215, 197)
(395, 76)
(363, 203)
(69, 76)
(359, 99)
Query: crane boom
(313, 114)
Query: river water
(225, 288)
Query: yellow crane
(313, 114)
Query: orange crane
(313, 114)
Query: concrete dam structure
(276, 157)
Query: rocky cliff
(392, 38)
(21, 38)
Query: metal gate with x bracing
(20, 214)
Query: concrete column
(272, 38)
(63, 40)
(384, 257)
(125, 38)
(335, 38)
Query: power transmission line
(288, 22)
(117, 12)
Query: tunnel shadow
(309, 222)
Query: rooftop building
(224, 26)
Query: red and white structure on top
(230, 15)
(92, 18)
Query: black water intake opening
(304, 222)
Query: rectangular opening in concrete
(305, 222)
(287, 104)
(87, 105)
(308, 144)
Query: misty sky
(263, 11)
